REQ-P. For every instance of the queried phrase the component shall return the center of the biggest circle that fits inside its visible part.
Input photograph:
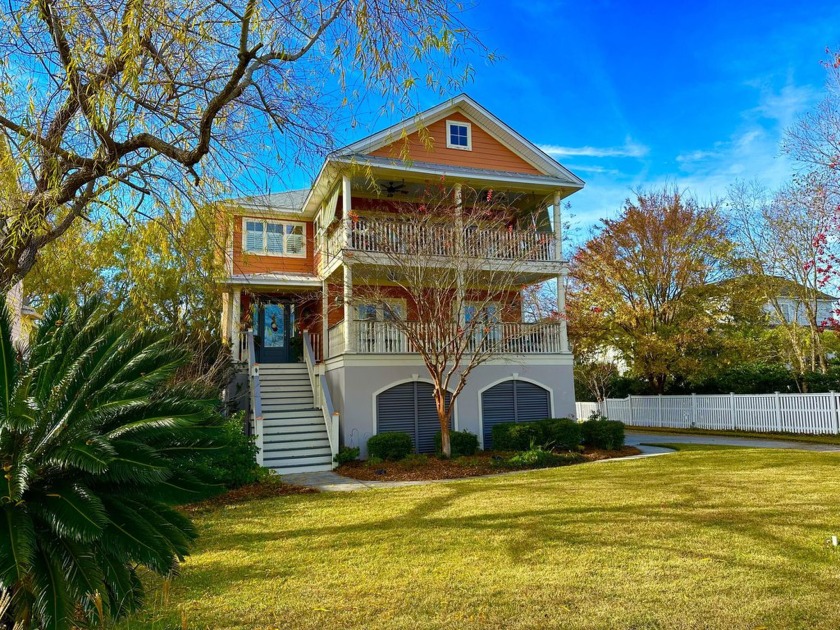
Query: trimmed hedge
(603, 433)
(390, 446)
(461, 442)
(559, 433)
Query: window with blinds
(273, 238)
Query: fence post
(630, 405)
(660, 411)
(835, 411)
(693, 411)
(732, 409)
(778, 399)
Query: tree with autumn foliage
(128, 108)
(785, 247)
(643, 288)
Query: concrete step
(319, 438)
(297, 449)
(285, 403)
(290, 470)
(275, 461)
(283, 368)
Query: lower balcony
(382, 337)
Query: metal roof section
(290, 201)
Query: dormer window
(458, 135)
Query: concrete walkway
(636, 438)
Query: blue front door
(273, 332)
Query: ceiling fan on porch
(394, 187)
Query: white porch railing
(316, 346)
(786, 413)
(255, 393)
(375, 337)
(321, 394)
(373, 235)
(335, 343)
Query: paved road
(635, 438)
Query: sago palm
(92, 438)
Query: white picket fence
(585, 409)
(789, 413)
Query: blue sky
(643, 94)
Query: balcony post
(325, 321)
(558, 228)
(226, 337)
(460, 245)
(349, 324)
(346, 207)
(236, 324)
(561, 309)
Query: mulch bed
(425, 468)
(267, 489)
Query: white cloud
(697, 156)
(630, 149)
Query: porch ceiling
(274, 280)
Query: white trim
(513, 377)
(414, 360)
(414, 379)
(459, 123)
(380, 308)
(266, 222)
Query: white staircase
(295, 438)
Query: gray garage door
(512, 401)
(410, 408)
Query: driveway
(635, 438)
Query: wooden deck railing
(385, 236)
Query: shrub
(599, 432)
(346, 454)
(560, 433)
(390, 446)
(95, 444)
(232, 466)
(518, 436)
(538, 457)
(461, 443)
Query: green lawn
(698, 539)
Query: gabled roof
(487, 121)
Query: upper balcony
(394, 236)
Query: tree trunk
(443, 418)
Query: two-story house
(321, 374)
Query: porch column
(325, 321)
(558, 227)
(225, 318)
(459, 253)
(346, 207)
(561, 309)
(236, 324)
(349, 324)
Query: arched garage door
(410, 408)
(512, 401)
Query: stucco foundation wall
(354, 388)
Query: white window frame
(266, 223)
(380, 309)
(460, 123)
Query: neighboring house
(291, 257)
(794, 307)
(22, 315)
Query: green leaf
(53, 602)
(17, 544)
(72, 511)
(8, 364)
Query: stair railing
(321, 395)
(256, 396)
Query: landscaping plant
(93, 443)
(599, 432)
(390, 446)
(462, 442)
(346, 454)
(558, 433)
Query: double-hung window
(273, 238)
